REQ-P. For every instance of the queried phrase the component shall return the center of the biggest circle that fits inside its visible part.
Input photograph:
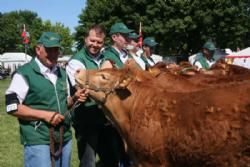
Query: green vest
(145, 61)
(202, 60)
(88, 113)
(84, 57)
(43, 95)
(111, 54)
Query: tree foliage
(178, 25)
(11, 27)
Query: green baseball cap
(133, 35)
(50, 39)
(119, 28)
(149, 41)
(209, 45)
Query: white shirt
(199, 66)
(122, 54)
(139, 61)
(150, 62)
(74, 65)
(20, 86)
(192, 58)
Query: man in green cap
(148, 47)
(133, 49)
(92, 129)
(38, 97)
(116, 54)
(204, 59)
(114, 57)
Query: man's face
(134, 44)
(94, 42)
(207, 52)
(47, 56)
(120, 40)
(148, 50)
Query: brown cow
(186, 78)
(207, 127)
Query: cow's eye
(103, 76)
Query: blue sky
(63, 11)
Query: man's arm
(15, 95)
(81, 94)
(71, 68)
(27, 113)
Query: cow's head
(103, 82)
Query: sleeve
(198, 65)
(19, 86)
(71, 68)
(191, 59)
(16, 92)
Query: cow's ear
(126, 79)
(154, 71)
(125, 82)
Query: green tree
(11, 26)
(178, 25)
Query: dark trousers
(105, 141)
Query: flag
(25, 35)
(140, 36)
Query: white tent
(241, 58)
(62, 61)
(64, 58)
(244, 53)
(13, 60)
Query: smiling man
(92, 129)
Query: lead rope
(53, 141)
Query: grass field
(11, 151)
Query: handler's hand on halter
(80, 95)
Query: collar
(121, 52)
(95, 57)
(43, 68)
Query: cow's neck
(118, 113)
(113, 109)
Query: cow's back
(208, 127)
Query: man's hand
(54, 118)
(81, 95)
(107, 64)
